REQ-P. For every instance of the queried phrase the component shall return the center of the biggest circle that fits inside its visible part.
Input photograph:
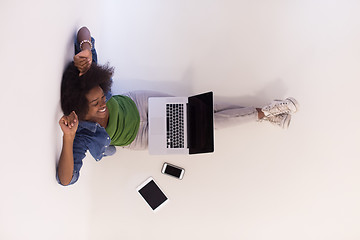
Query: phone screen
(176, 172)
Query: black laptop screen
(201, 123)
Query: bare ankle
(260, 113)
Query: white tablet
(152, 194)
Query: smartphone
(173, 170)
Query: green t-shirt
(124, 120)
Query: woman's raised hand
(69, 124)
(83, 61)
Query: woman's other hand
(69, 124)
(83, 61)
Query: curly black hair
(75, 87)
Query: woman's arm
(69, 126)
(83, 59)
(84, 34)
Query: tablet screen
(152, 194)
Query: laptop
(181, 125)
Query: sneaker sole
(286, 121)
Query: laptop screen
(201, 123)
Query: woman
(95, 120)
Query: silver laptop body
(170, 133)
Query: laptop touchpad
(157, 126)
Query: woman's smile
(103, 110)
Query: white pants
(225, 115)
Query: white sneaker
(289, 105)
(281, 120)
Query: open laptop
(191, 132)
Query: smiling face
(98, 111)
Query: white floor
(261, 183)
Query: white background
(262, 182)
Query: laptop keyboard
(175, 125)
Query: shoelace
(281, 107)
(278, 119)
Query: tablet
(152, 194)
